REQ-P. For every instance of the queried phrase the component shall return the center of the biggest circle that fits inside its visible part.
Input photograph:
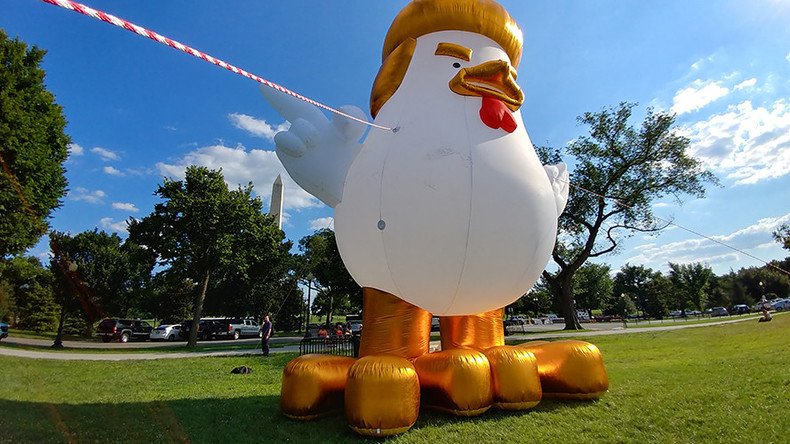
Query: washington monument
(276, 207)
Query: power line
(696, 233)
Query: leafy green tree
(6, 300)
(112, 273)
(759, 281)
(782, 235)
(535, 302)
(321, 257)
(196, 227)
(169, 297)
(620, 305)
(32, 148)
(657, 297)
(628, 168)
(691, 282)
(259, 276)
(634, 281)
(31, 303)
(592, 286)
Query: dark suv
(207, 328)
(3, 330)
(123, 330)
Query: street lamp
(71, 268)
(310, 278)
(625, 310)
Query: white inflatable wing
(558, 176)
(315, 151)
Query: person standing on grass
(266, 333)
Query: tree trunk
(59, 338)
(198, 311)
(568, 306)
(329, 310)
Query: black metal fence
(341, 346)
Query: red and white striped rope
(113, 20)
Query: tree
(659, 293)
(30, 303)
(628, 169)
(110, 273)
(782, 235)
(592, 285)
(321, 257)
(634, 280)
(32, 148)
(257, 279)
(691, 282)
(194, 230)
(169, 297)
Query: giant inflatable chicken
(450, 214)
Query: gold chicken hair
(451, 215)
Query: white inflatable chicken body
(446, 212)
(449, 214)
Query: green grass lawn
(725, 383)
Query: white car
(166, 332)
(781, 304)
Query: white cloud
(704, 250)
(747, 144)
(257, 127)
(661, 205)
(787, 57)
(745, 84)
(119, 227)
(105, 154)
(75, 150)
(112, 171)
(85, 195)
(697, 95)
(241, 166)
(322, 222)
(125, 206)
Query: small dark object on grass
(243, 370)
(764, 320)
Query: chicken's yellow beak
(494, 79)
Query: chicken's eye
(456, 65)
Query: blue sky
(138, 110)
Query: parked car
(780, 305)
(238, 327)
(3, 330)
(676, 314)
(694, 313)
(123, 330)
(719, 311)
(208, 328)
(166, 332)
(740, 309)
(515, 320)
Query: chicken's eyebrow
(454, 50)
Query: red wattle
(495, 114)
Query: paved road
(7, 351)
(140, 345)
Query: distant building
(276, 207)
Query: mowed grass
(726, 383)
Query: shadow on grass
(433, 418)
(253, 419)
(247, 419)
